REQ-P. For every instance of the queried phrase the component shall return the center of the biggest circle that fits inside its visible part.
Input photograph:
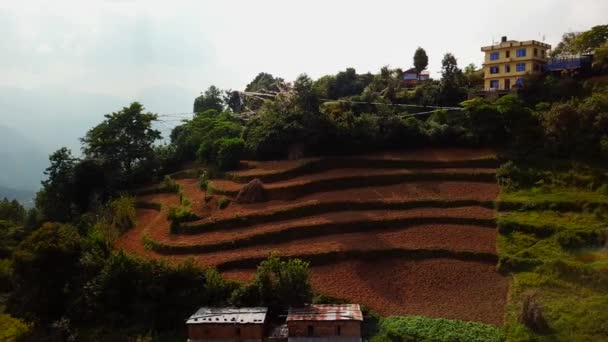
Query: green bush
(203, 180)
(170, 185)
(230, 152)
(13, 330)
(123, 213)
(6, 274)
(417, 328)
(223, 202)
(181, 213)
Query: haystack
(532, 315)
(252, 192)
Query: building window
(494, 70)
(238, 332)
(507, 68)
(311, 331)
(542, 53)
(535, 52)
(521, 52)
(494, 84)
(519, 82)
(536, 67)
(494, 56)
(520, 67)
(507, 54)
(507, 84)
(338, 330)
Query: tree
(451, 81)
(232, 99)
(421, 60)
(264, 81)
(211, 99)
(283, 283)
(574, 43)
(305, 96)
(44, 266)
(54, 200)
(124, 141)
(473, 77)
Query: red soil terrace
(436, 287)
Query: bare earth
(436, 287)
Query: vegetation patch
(418, 328)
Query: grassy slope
(567, 274)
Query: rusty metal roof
(205, 315)
(326, 312)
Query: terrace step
(353, 178)
(325, 224)
(326, 258)
(258, 215)
(424, 236)
(273, 171)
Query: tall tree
(211, 99)
(421, 60)
(54, 199)
(124, 141)
(451, 81)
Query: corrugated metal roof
(205, 315)
(326, 312)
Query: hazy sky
(122, 47)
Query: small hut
(227, 324)
(325, 322)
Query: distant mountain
(36, 122)
(22, 161)
(23, 196)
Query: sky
(124, 47)
(66, 63)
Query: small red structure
(325, 322)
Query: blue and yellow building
(507, 62)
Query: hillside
(404, 233)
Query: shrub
(230, 152)
(418, 328)
(253, 192)
(223, 203)
(12, 329)
(170, 185)
(203, 180)
(123, 213)
(5, 275)
(181, 213)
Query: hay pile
(252, 192)
(532, 315)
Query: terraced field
(403, 232)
